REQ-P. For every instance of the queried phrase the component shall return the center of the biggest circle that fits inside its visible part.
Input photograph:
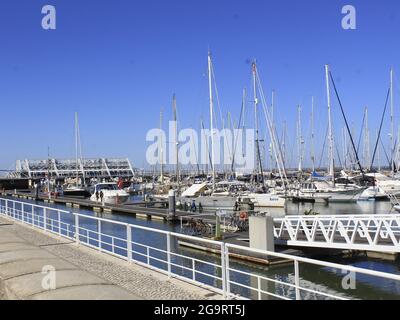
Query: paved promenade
(81, 273)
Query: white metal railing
(219, 274)
(354, 232)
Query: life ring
(243, 216)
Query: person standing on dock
(97, 195)
(193, 207)
(101, 197)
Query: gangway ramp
(379, 233)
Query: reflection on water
(312, 277)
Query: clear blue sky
(118, 63)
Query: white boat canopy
(194, 190)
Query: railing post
(14, 209)
(6, 205)
(297, 279)
(169, 254)
(59, 222)
(99, 233)
(33, 215)
(129, 243)
(45, 219)
(227, 273)
(223, 269)
(77, 228)
(23, 212)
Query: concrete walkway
(21, 274)
(81, 273)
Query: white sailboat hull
(267, 200)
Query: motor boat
(72, 190)
(111, 193)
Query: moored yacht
(72, 190)
(111, 193)
(325, 190)
(386, 184)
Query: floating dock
(144, 210)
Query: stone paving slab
(31, 284)
(24, 255)
(15, 246)
(14, 269)
(88, 292)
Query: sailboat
(263, 199)
(76, 189)
(206, 194)
(326, 188)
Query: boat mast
(232, 144)
(284, 160)
(211, 119)
(76, 147)
(176, 139)
(366, 142)
(344, 137)
(244, 97)
(259, 164)
(391, 122)
(48, 172)
(161, 150)
(312, 135)
(330, 134)
(299, 139)
(273, 128)
(379, 152)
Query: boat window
(107, 187)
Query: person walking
(97, 195)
